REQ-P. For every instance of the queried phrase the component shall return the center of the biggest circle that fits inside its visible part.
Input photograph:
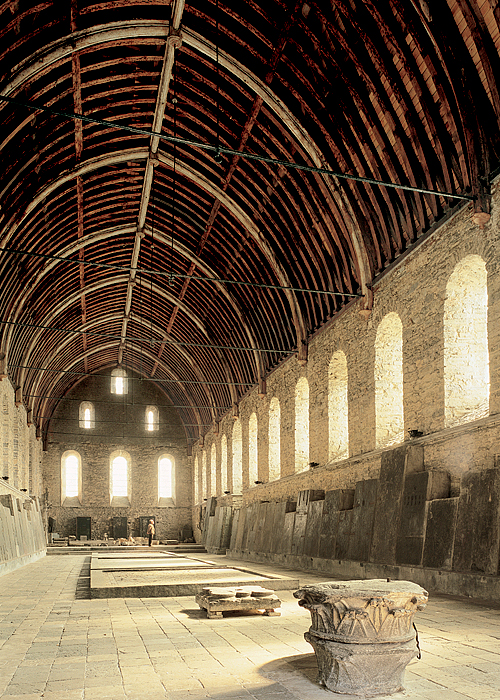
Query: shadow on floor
(83, 582)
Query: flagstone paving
(57, 644)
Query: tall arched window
(466, 356)
(166, 474)
(151, 418)
(119, 381)
(197, 498)
(86, 415)
(119, 477)
(204, 491)
(223, 463)
(274, 441)
(338, 415)
(253, 459)
(237, 457)
(389, 418)
(301, 425)
(71, 478)
(213, 469)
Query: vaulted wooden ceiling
(106, 229)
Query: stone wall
(119, 425)
(22, 535)
(417, 290)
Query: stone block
(387, 511)
(335, 501)
(288, 531)
(299, 531)
(439, 533)
(276, 536)
(313, 528)
(419, 488)
(218, 600)
(305, 497)
(476, 546)
(363, 512)
(343, 534)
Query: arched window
(301, 425)
(389, 419)
(237, 457)
(274, 439)
(197, 498)
(204, 491)
(213, 469)
(223, 463)
(71, 478)
(338, 433)
(119, 478)
(166, 473)
(151, 418)
(86, 415)
(466, 356)
(119, 381)
(253, 459)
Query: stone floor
(57, 644)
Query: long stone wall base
(462, 583)
(361, 669)
(7, 566)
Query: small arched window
(197, 498)
(152, 418)
(274, 439)
(119, 478)
(466, 354)
(223, 463)
(87, 415)
(71, 478)
(204, 492)
(213, 469)
(389, 415)
(237, 457)
(166, 473)
(301, 425)
(338, 414)
(119, 381)
(253, 461)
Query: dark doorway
(83, 527)
(119, 527)
(143, 524)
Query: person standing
(150, 531)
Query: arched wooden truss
(111, 226)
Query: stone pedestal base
(361, 669)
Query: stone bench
(217, 600)
(362, 633)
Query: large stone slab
(477, 533)
(439, 533)
(419, 488)
(288, 530)
(390, 491)
(363, 513)
(335, 501)
(313, 528)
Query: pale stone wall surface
(416, 290)
(22, 535)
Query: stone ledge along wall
(22, 535)
(403, 525)
(435, 523)
(119, 425)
